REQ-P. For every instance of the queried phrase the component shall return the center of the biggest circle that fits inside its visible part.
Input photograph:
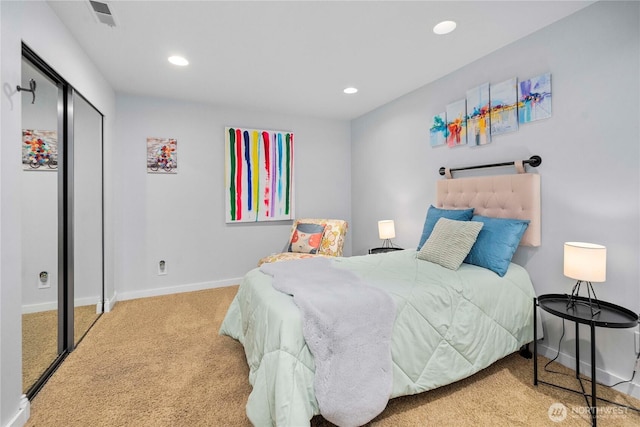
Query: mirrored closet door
(87, 215)
(39, 203)
(62, 219)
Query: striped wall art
(258, 175)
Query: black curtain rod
(534, 162)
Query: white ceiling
(296, 57)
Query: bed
(449, 323)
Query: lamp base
(593, 302)
(386, 243)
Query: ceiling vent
(102, 12)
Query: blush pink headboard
(501, 196)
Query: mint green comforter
(449, 325)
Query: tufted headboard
(501, 196)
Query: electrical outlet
(43, 280)
(162, 267)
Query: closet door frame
(65, 199)
(74, 94)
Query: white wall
(40, 28)
(589, 148)
(180, 218)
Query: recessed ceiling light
(444, 27)
(350, 90)
(178, 60)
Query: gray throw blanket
(347, 325)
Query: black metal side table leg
(577, 351)
(535, 343)
(593, 409)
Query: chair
(331, 244)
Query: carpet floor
(40, 339)
(160, 362)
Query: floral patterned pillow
(306, 238)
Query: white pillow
(450, 242)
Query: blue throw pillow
(496, 243)
(434, 214)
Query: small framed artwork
(162, 155)
(534, 98)
(39, 150)
(478, 124)
(457, 123)
(504, 107)
(438, 130)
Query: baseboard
(603, 377)
(24, 411)
(53, 305)
(123, 296)
(109, 303)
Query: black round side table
(610, 316)
(383, 250)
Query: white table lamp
(386, 232)
(585, 262)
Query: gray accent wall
(590, 154)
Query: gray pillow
(450, 242)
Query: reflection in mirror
(87, 217)
(39, 204)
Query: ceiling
(296, 57)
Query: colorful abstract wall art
(456, 123)
(162, 155)
(258, 175)
(490, 110)
(534, 98)
(504, 107)
(478, 124)
(39, 150)
(438, 131)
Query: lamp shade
(585, 261)
(386, 229)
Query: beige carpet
(40, 339)
(160, 362)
